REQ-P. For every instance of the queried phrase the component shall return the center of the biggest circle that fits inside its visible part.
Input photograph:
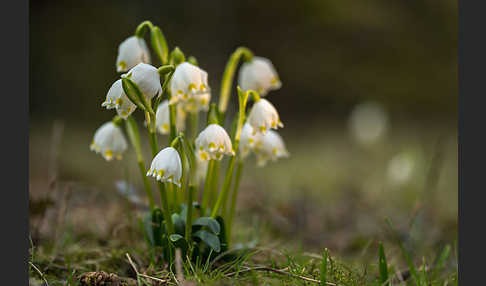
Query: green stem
(234, 196)
(242, 100)
(172, 119)
(207, 186)
(142, 28)
(165, 208)
(228, 76)
(190, 195)
(224, 190)
(194, 123)
(134, 136)
(214, 182)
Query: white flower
(189, 84)
(248, 140)
(162, 118)
(147, 79)
(259, 75)
(271, 147)
(213, 142)
(131, 52)
(263, 116)
(116, 98)
(109, 141)
(167, 166)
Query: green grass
(328, 194)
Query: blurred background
(369, 103)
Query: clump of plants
(173, 98)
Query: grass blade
(324, 268)
(383, 266)
(412, 269)
(440, 261)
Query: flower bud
(248, 140)
(259, 75)
(213, 142)
(147, 78)
(109, 141)
(167, 166)
(264, 116)
(116, 98)
(189, 85)
(271, 147)
(162, 118)
(131, 52)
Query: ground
(331, 193)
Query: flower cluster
(176, 92)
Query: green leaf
(210, 239)
(413, 272)
(324, 268)
(440, 261)
(156, 223)
(222, 234)
(159, 44)
(209, 222)
(383, 266)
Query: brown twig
(279, 271)
(40, 273)
(141, 274)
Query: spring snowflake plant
(178, 90)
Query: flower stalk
(228, 75)
(242, 100)
(234, 196)
(133, 134)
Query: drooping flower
(147, 79)
(259, 75)
(272, 147)
(167, 166)
(213, 142)
(248, 140)
(264, 116)
(162, 118)
(109, 141)
(131, 52)
(189, 85)
(116, 98)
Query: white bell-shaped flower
(109, 141)
(167, 166)
(259, 75)
(116, 98)
(147, 79)
(213, 142)
(131, 52)
(162, 118)
(248, 140)
(189, 84)
(271, 147)
(264, 116)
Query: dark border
(472, 142)
(15, 132)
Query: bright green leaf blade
(383, 266)
(210, 239)
(441, 260)
(209, 222)
(324, 268)
(413, 272)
